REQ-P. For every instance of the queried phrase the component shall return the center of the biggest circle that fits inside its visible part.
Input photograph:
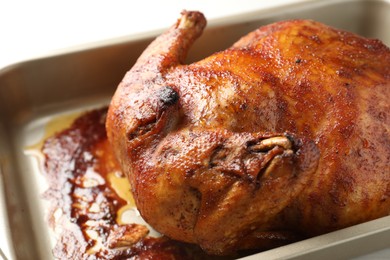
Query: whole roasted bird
(283, 135)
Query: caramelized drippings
(90, 200)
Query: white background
(35, 28)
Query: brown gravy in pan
(91, 208)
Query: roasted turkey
(282, 136)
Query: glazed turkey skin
(282, 136)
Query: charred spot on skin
(168, 96)
(297, 61)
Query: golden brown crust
(326, 87)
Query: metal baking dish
(33, 92)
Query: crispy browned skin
(205, 149)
